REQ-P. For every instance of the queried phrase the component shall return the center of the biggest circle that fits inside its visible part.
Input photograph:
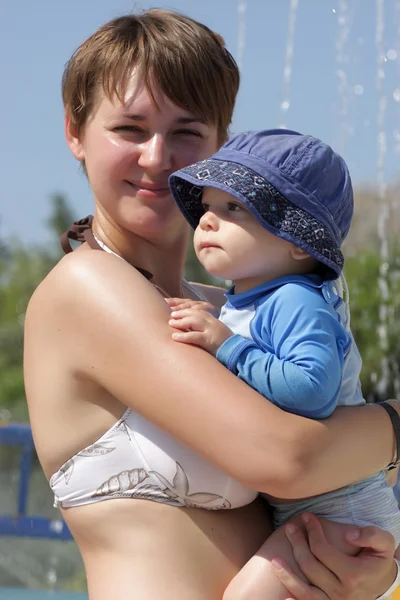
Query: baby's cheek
(197, 239)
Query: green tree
(61, 215)
(22, 268)
(362, 273)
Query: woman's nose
(155, 154)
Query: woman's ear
(73, 139)
(298, 253)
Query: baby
(271, 210)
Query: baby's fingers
(195, 338)
(175, 302)
(178, 304)
(186, 323)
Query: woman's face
(130, 148)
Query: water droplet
(334, 10)
(396, 95)
(51, 577)
(285, 105)
(57, 526)
(391, 54)
(358, 90)
(384, 267)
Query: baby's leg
(257, 579)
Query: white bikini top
(136, 459)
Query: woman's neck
(164, 259)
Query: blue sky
(333, 90)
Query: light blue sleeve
(301, 372)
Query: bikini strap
(81, 231)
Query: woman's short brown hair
(187, 60)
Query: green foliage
(363, 272)
(21, 270)
(61, 215)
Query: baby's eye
(234, 207)
(205, 206)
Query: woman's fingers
(360, 577)
(294, 585)
(310, 556)
(321, 549)
(376, 542)
(380, 542)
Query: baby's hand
(182, 303)
(199, 328)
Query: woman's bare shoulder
(85, 277)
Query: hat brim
(273, 211)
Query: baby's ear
(298, 253)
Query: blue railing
(22, 524)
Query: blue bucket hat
(296, 186)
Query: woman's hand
(333, 575)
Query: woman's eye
(206, 207)
(130, 128)
(188, 132)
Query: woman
(110, 393)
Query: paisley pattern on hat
(277, 214)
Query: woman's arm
(113, 324)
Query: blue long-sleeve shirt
(293, 344)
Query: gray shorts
(368, 502)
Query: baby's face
(231, 244)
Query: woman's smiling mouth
(149, 190)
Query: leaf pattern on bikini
(121, 482)
(152, 492)
(180, 488)
(67, 470)
(96, 450)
